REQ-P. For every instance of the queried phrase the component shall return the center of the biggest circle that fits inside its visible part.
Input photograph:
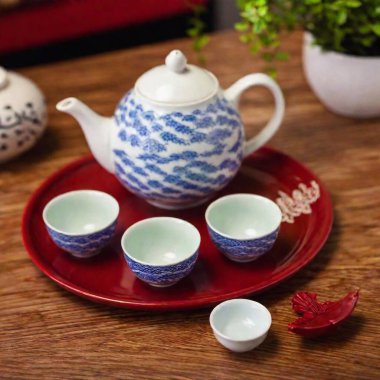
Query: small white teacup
(240, 324)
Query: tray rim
(172, 305)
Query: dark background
(18, 20)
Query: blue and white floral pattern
(243, 250)
(163, 275)
(83, 245)
(178, 158)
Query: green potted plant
(341, 52)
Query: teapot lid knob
(176, 61)
(3, 77)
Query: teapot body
(176, 158)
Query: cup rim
(238, 195)
(240, 301)
(67, 194)
(162, 218)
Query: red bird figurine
(320, 318)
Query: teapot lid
(176, 83)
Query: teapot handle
(233, 95)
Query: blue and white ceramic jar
(23, 114)
(176, 137)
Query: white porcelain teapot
(176, 138)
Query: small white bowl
(162, 250)
(240, 324)
(243, 226)
(81, 222)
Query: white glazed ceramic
(22, 114)
(346, 84)
(81, 222)
(243, 226)
(176, 137)
(240, 324)
(161, 251)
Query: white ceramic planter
(345, 84)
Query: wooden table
(48, 333)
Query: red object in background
(58, 20)
(106, 278)
(317, 318)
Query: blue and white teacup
(243, 226)
(161, 251)
(81, 222)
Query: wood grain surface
(48, 333)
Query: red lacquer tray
(106, 278)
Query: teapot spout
(97, 129)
